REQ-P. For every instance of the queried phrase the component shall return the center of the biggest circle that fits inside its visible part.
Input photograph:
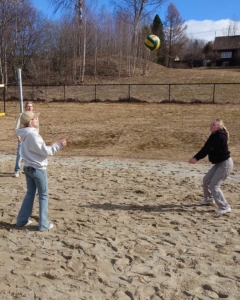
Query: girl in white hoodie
(34, 153)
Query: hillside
(155, 73)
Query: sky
(205, 19)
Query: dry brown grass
(158, 75)
(148, 131)
(139, 131)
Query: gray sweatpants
(212, 181)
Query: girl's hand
(63, 142)
(192, 160)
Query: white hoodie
(34, 150)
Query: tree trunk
(84, 53)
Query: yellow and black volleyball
(152, 42)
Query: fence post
(169, 92)
(95, 93)
(214, 93)
(4, 99)
(64, 92)
(4, 108)
(129, 92)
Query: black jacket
(216, 148)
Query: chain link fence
(220, 93)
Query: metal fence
(150, 93)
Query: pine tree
(157, 29)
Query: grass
(172, 132)
(152, 87)
(138, 130)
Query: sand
(125, 207)
(123, 229)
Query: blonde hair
(221, 125)
(28, 124)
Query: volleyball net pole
(19, 72)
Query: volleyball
(152, 42)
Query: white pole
(20, 89)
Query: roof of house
(226, 42)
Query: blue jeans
(213, 180)
(36, 180)
(18, 158)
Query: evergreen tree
(157, 29)
(207, 49)
(156, 25)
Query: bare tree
(193, 51)
(20, 36)
(135, 11)
(79, 8)
(122, 35)
(6, 19)
(175, 32)
(74, 7)
(232, 28)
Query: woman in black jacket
(216, 147)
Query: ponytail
(227, 134)
(221, 125)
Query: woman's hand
(63, 142)
(192, 160)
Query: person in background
(216, 147)
(28, 107)
(34, 153)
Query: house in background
(227, 50)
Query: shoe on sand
(207, 202)
(223, 211)
(28, 223)
(16, 173)
(51, 226)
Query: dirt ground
(172, 132)
(125, 207)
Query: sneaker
(223, 211)
(29, 222)
(50, 226)
(207, 202)
(16, 173)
